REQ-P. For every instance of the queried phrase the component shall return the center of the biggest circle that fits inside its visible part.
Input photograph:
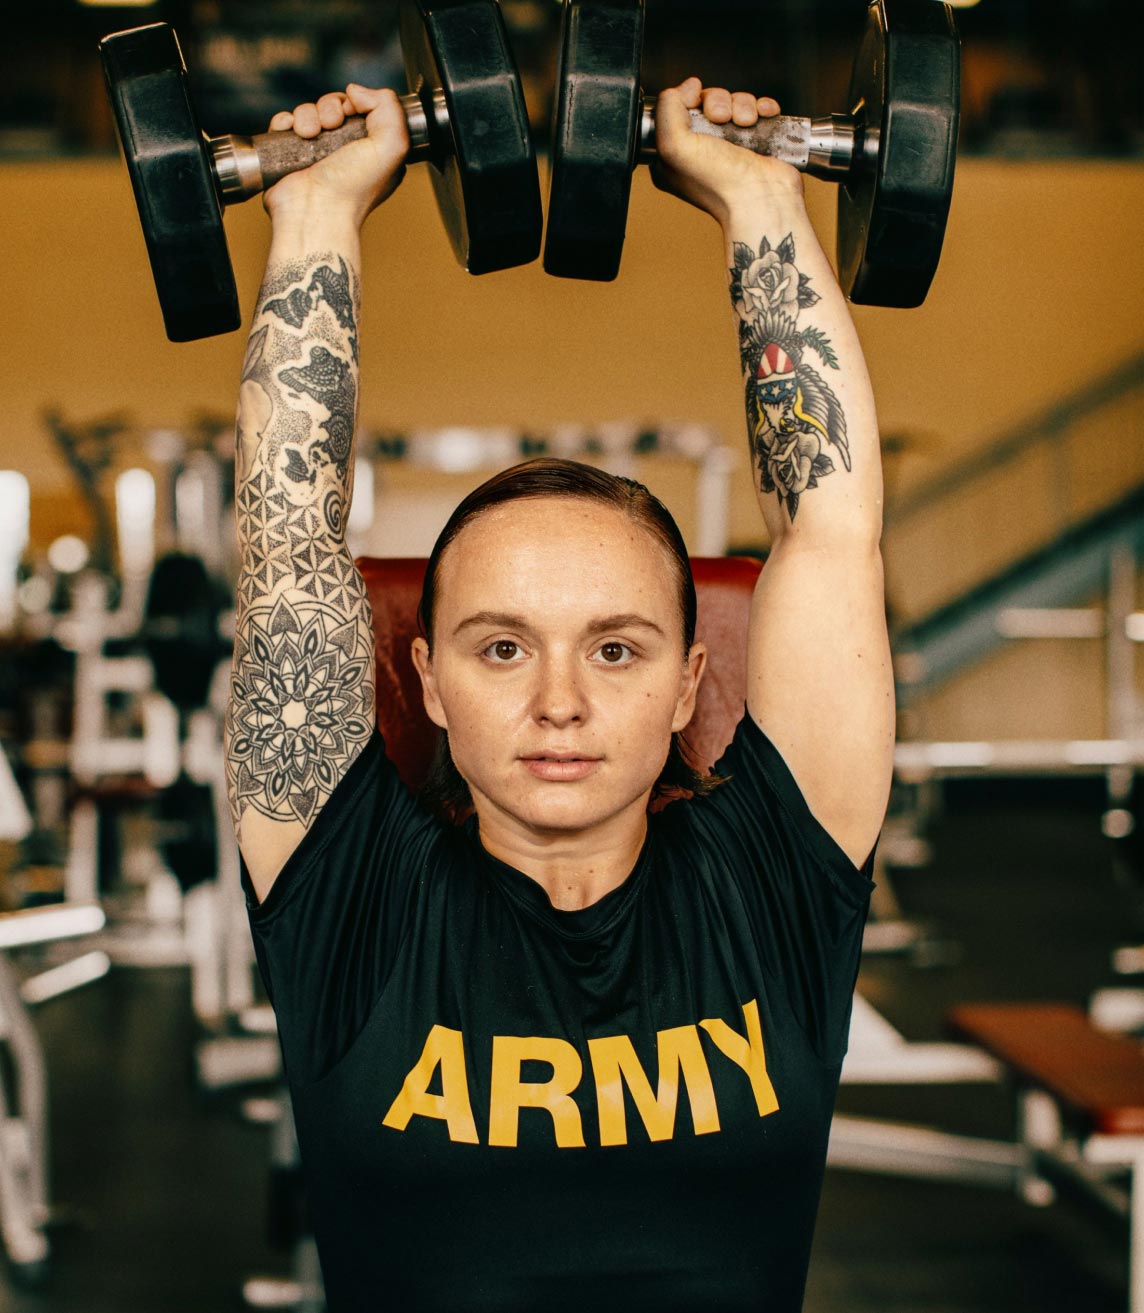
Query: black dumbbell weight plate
(891, 218)
(595, 135)
(173, 181)
(485, 177)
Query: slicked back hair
(445, 790)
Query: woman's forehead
(557, 551)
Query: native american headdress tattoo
(793, 416)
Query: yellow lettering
(446, 1048)
(747, 1053)
(509, 1093)
(614, 1061)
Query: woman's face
(558, 666)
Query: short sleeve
(327, 934)
(805, 899)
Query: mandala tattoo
(793, 416)
(301, 702)
(302, 694)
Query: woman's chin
(566, 815)
(555, 808)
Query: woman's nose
(559, 696)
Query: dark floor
(165, 1189)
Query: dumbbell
(893, 153)
(466, 116)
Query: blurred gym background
(139, 1061)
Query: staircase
(1074, 562)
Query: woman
(567, 1054)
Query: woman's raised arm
(820, 682)
(302, 691)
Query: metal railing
(1050, 427)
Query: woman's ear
(692, 677)
(423, 664)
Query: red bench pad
(1056, 1047)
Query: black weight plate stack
(173, 180)
(180, 629)
(186, 831)
(595, 136)
(906, 86)
(486, 181)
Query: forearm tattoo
(302, 693)
(793, 417)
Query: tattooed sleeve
(302, 693)
(793, 416)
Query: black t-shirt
(505, 1106)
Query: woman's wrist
(762, 206)
(314, 226)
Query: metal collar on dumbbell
(236, 166)
(830, 146)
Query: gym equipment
(180, 629)
(620, 444)
(892, 154)
(25, 1209)
(288, 1217)
(1080, 1110)
(185, 831)
(87, 450)
(466, 117)
(181, 635)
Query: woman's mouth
(561, 768)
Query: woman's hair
(445, 789)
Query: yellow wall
(1039, 288)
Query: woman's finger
(306, 120)
(744, 109)
(331, 110)
(692, 92)
(717, 104)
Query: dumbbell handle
(830, 147)
(246, 166)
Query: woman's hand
(359, 175)
(712, 174)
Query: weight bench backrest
(1097, 1076)
(724, 586)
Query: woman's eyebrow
(497, 619)
(624, 620)
(503, 620)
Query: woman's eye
(503, 651)
(616, 654)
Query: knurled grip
(825, 147)
(280, 153)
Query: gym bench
(25, 1213)
(1080, 1109)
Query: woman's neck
(574, 868)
